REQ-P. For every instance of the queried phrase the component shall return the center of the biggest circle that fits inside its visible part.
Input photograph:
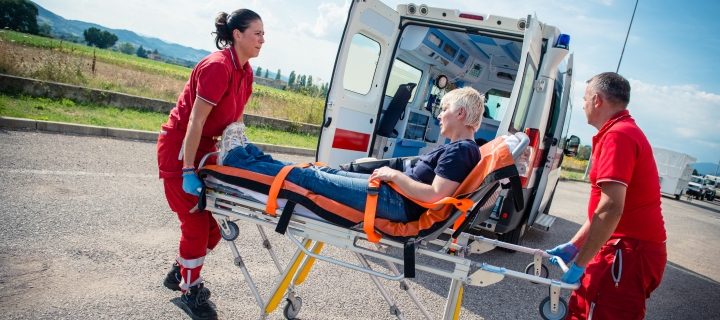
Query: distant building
(277, 84)
(153, 56)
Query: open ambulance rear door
(555, 137)
(358, 81)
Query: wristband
(188, 169)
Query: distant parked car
(696, 188)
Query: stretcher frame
(227, 208)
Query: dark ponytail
(225, 24)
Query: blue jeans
(347, 188)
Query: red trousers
(200, 232)
(618, 280)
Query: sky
(668, 60)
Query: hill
(75, 28)
(704, 168)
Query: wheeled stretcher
(310, 221)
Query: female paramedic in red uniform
(214, 97)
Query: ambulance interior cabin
(428, 63)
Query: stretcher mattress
(263, 198)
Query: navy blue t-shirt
(452, 161)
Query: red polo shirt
(622, 154)
(221, 81)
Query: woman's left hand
(384, 174)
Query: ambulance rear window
(361, 64)
(523, 102)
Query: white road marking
(77, 173)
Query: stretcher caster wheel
(232, 233)
(289, 312)
(546, 313)
(530, 269)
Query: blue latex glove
(573, 274)
(191, 183)
(566, 251)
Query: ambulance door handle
(327, 122)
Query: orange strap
(271, 205)
(462, 204)
(371, 205)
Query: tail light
(472, 16)
(531, 154)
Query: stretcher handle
(202, 161)
(562, 264)
(340, 263)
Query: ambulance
(394, 65)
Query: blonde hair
(471, 100)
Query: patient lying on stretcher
(436, 174)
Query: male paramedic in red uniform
(621, 255)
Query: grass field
(48, 59)
(68, 111)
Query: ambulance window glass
(402, 73)
(568, 115)
(496, 103)
(361, 64)
(523, 102)
(556, 101)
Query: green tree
(277, 75)
(583, 153)
(126, 48)
(140, 52)
(45, 30)
(19, 15)
(309, 81)
(291, 78)
(302, 81)
(155, 52)
(101, 39)
(258, 71)
(267, 73)
(695, 173)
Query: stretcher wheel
(289, 312)
(546, 314)
(544, 272)
(231, 234)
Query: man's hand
(191, 183)
(573, 274)
(566, 251)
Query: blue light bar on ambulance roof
(563, 41)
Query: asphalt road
(85, 232)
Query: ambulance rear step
(544, 222)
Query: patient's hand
(384, 174)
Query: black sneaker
(195, 303)
(173, 278)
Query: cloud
(679, 117)
(605, 2)
(329, 25)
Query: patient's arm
(439, 189)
